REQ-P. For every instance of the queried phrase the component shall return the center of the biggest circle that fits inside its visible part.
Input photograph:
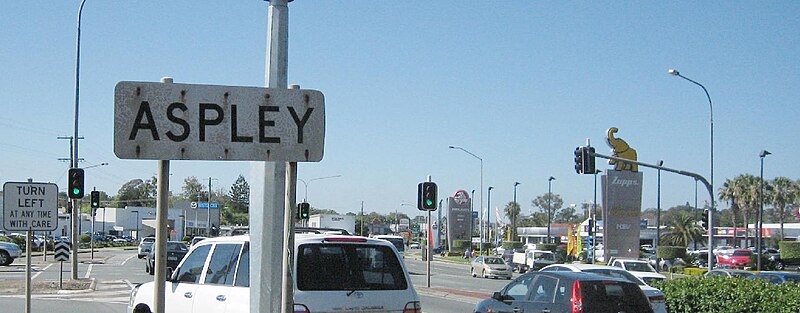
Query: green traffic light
(429, 202)
(76, 191)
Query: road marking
(42, 271)
(89, 271)
(128, 282)
(126, 260)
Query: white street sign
(30, 206)
(165, 121)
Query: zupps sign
(159, 121)
(622, 201)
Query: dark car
(567, 292)
(778, 278)
(176, 250)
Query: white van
(332, 273)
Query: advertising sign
(622, 206)
(458, 216)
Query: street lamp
(480, 220)
(549, 209)
(305, 198)
(658, 207)
(137, 224)
(675, 72)
(489, 216)
(514, 224)
(397, 216)
(763, 154)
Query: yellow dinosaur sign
(621, 149)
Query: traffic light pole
(697, 177)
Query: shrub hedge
(790, 249)
(461, 244)
(511, 245)
(700, 294)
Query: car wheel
(779, 266)
(5, 259)
(472, 271)
(141, 308)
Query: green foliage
(790, 249)
(547, 247)
(186, 238)
(670, 252)
(461, 244)
(694, 271)
(510, 245)
(698, 294)
(85, 238)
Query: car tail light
(345, 239)
(658, 298)
(299, 308)
(577, 299)
(412, 307)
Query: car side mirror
(500, 297)
(170, 275)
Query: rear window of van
(349, 267)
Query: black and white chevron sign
(61, 252)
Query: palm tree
(512, 211)
(729, 191)
(681, 230)
(783, 193)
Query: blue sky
(518, 83)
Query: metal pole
(760, 234)
(658, 209)
(471, 219)
(361, 229)
(287, 296)
(489, 216)
(269, 184)
(696, 210)
(162, 232)
(514, 224)
(75, 207)
(594, 217)
(28, 271)
(711, 183)
(430, 252)
(208, 209)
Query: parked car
(738, 258)
(176, 250)
(490, 266)
(723, 250)
(639, 268)
(728, 273)
(656, 297)
(332, 273)
(145, 246)
(195, 240)
(8, 252)
(566, 292)
(414, 245)
(778, 278)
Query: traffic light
(704, 220)
(95, 198)
(426, 196)
(303, 210)
(579, 166)
(588, 160)
(75, 183)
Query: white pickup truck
(532, 260)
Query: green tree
(681, 229)
(783, 193)
(135, 192)
(512, 210)
(240, 195)
(742, 192)
(567, 215)
(548, 207)
(191, 189)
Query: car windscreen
(639, 267)
(397, 242)
(177, 247)
(613, 297)
(495, 260)
(616, 273)
(742, 253)
(349, 267)
(544, 256)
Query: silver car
(490, 266)
(8, 252)
(145, 245)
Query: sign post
(61, 253)
(29, 207)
